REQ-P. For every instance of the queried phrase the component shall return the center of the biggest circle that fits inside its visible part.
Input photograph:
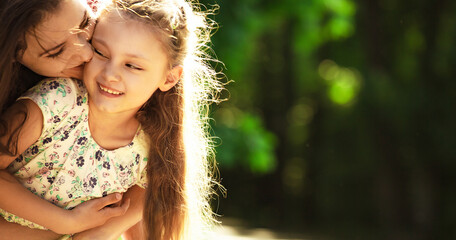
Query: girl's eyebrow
(102, 42)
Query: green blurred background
(340, 122)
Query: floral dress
(65, 165)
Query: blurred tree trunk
(276, 97)
(393, 202)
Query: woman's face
(58, 46)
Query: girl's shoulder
(57, 98)
(57, 92)
(55, 85)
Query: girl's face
(128, 66)
(58, 46)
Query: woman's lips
(75, 72)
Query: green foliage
(345, 109)
(245, 142)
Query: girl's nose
(110, 72)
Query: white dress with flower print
(65, 165)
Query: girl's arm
(17, 200)
(114, 227)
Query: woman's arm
(16, 199)
(114, 227)
(15, 231)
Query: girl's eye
(56, 54)
(99, 53)
(133, 66)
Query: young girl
(140, 119)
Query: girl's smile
(109, 92)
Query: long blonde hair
(181, 166)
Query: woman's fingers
(108, 200)
(116, 211)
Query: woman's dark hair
(17, 18)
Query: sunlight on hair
(200, 89)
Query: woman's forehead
(56, 27)
(68, 16)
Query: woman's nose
(84, 36)
(86, 52)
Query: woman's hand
(114, 227)
(94, 213)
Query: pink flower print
(103, 187)
(44, 171)
(61, 181)
(46, 174)
(56, 189)
(71, 173)
(29, 180)
(124, 182)
(75, 148)
(77, 132)
(123, 174)
(67, 89)
(54, 155)
(93, 4)
(54, 199)
(105, 174)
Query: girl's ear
(174, 75)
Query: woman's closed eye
(56, 54)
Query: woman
(42, 38)
(51, 45)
